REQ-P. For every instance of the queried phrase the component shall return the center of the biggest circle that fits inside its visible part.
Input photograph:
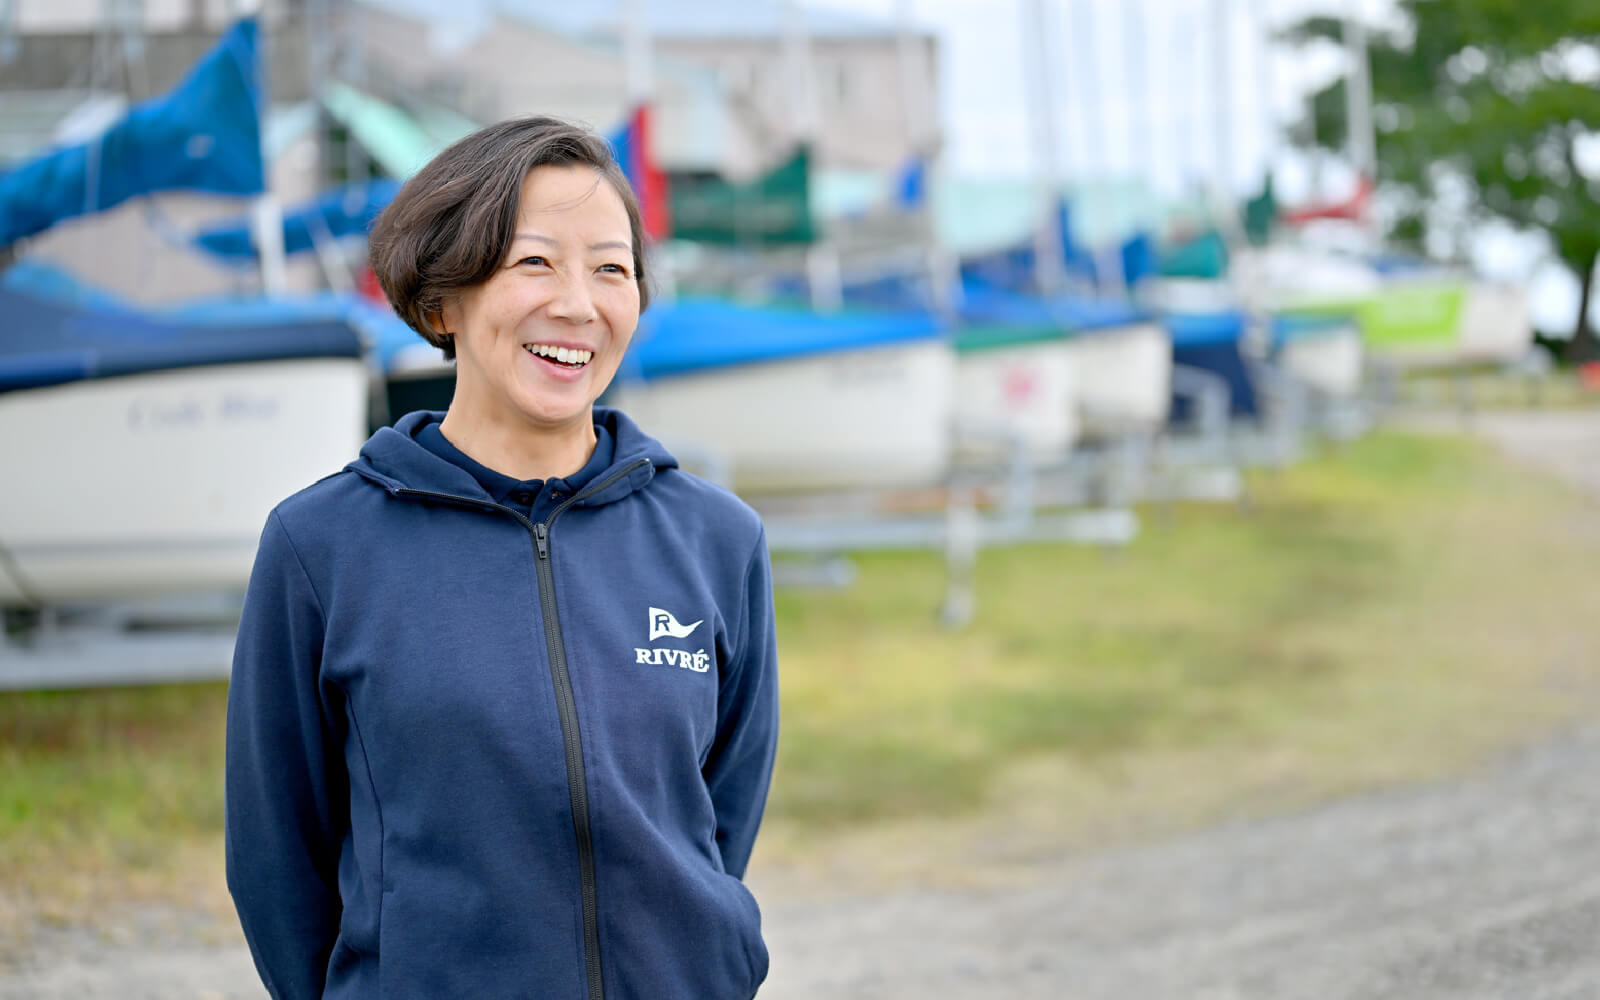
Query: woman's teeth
(568, 356)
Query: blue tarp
(204, 136)
(346, 211)
(1013, 267)
(48, 341)
(694, 335)
(987, 303)
(1211, 341)
(982, 303)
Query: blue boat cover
(1211, 341)
(47, 341)
(987, 304)
(983, 303)
(204, 136)
(696, 335)
(1013, 267)
(345, 211)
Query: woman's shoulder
(707, 502)
(328, 507)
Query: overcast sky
(1137, 93)
(1136, 86)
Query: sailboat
(142, 449)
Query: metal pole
(1049, 266)
(1096, 133)
(1186, 73)
(1266, 82)
(913, 78)
(266, 214)
(1222, 69)
(1361, 141)
(638, 68)
(1140, 153)
(797, 65)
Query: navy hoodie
(473, 755)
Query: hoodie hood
(393, 459)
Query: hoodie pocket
(687, 934)
(754, 944)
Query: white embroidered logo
(662, 623)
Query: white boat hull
(1496, 324)
(1124, 379)
(873, 417)
(1027, 392)
(161, 482)
(1329, 361)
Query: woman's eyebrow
(603, 245)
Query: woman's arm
(738, 770)
(286, 794)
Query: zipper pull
(541, 538)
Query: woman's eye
(614, 269)
(535, 260)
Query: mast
(1049, 265)
(266, 213)
(824, 270)
(1222, 88)
(1140, 151)
(796, 45)
(944, 270)
(1096, 135)
(1266, 83)
(913, 78)
(638, 67)
(1361, 141)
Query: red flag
(648, 181)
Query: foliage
(1483, 105)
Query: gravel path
(1487, 886)
(1564, 443)
(1484, 886)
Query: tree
(1487, 107)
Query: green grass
(1369, 593)
(1379, 614)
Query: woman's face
(541, 339)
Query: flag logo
(662, 623)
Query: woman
(504, 699)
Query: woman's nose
(573, 301)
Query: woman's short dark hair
(452, 224)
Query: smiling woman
(450, 769)
(541, 338)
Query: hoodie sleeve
(285, 797)
(738, 770)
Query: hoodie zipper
(577, 784)
(566, 705)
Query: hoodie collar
(393, 459)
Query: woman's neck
(521, 452)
